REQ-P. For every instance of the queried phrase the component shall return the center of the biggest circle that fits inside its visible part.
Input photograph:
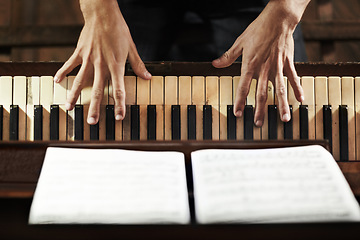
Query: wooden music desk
(20, 165)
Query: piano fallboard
(181, 69)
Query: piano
(185, 107)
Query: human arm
(267, 49)
(103, 47)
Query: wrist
(94, 9)
(290, 11)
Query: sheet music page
(297, 184)
(111, 186)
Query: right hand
(267, 49)
(103, 47)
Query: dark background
(47, 30)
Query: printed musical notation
(270, 185)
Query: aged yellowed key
(143, 100)
(334, 84)
(280, 124)
(347, 98)
(239, 120)
(117, 133)
(293, 102)
(19, 100)
(157, 102)
(226, 98)
(198, 99)
(33, 99)
(6, 101)
(70, 131)
(212, 99)
(184, 102)
(60, 90)
(308, 86)
(357, 116)
(321, 99)
(269, 102)
(130, 100)
(171, 99)
(250, 100)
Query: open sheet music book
(111, 186)
(91, 186)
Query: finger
(294, 80)
(281, 93)
(117, 79)
(68, 66)
(229, 56)
(84, 73)
(261, 98)
(241, 93)
(97, 94)
(137, 64)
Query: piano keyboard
(193, 107)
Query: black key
(231, 123)
(110, 122)
(94, 132)
(54, 122)
(175, 122)
(207, 122)
(79, 122)
(1, 122)
(151, 122)
(191, 117)
(38, 122)
(343, 127)
(272, 121)
(288, 126)
(248, 122)
(327, 123)
(304, 122)
(14, 122)
(135, 122)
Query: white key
(157, 98)
(184, 101)
(46, 100)
(33, 98)
(226, 98)
(60, 99)
(198, 99)
(212, 98)
(6, 100)
(171, 98)
(19, 98)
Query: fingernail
(258, 123)
(68, 106)
(118, 117)
(91, 121)
(302, 98)
(238, 113)
(56, 79)
(216, 61)
(286, 117)
(147, 75)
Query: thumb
(138, 65)
(228, 57)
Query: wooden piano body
(21, 161)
